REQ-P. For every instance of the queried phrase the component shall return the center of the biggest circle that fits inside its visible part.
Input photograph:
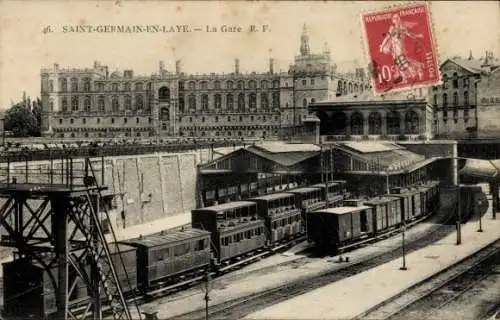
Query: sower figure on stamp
(393, 44)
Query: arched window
(241, 84)
(344, 87)
(393, 122)
(339, 87)
(51, 105)
(86, 84)
(164, 94)
(355, 87)
(251, 84)
(114, 87)
(74, 104)
(253, 101)
(218, 101)
(455, 99)
(86, 104)
(229, 102)
(276, 100)
(204, 85)
(191, 85)
(192, 102)
(455, 80)
(164, 114)
(217, 84)
(229, 85)
(374, 123)
(241, 102)
(445, 100)
(64, 105)
(264, 101)
(276, 84)
(128, 102)
(101, 104)
(139, 86)
(357, 123)
(115, 104)
(466, 98)
(204, 102)
(139, 103)
(412, 122)
(74, 84)
(304, 103)
(263, 84)
(350, 87)
(64, 84)
(51, 86)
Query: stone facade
(488, 109)
(96, 103)
(368, 117)
(456, 100)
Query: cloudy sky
(24, 48)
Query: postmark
(401, 48)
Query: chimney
(178, 66)
(106, 69)
(271, 65)
(96, 64)
(56, 66)
(162, 67)
(237, 66)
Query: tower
(304, 42)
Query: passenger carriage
(333, 192)
(332, 228)
(283, 218)
(236, 228)
(163, 256)
(309, 199)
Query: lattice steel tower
(53, 217)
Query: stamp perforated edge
(433, 42)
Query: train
(225, 235)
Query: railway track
(428, 299)
(240, 307)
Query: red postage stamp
(401, 48)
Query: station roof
(479, 168)
(285, 154)
(384, 156)
(304, 190)
(368, 96)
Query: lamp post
(404, 252)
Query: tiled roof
(472, 65)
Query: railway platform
(350, 297)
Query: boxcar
(309, 199)
(160, 257)
(332, 228)
(283, 218)
(235, 228)
(385, 213)
(333, 192)
(406, 202)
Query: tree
(21, 120)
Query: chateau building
(96, 103)
(456, 100)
